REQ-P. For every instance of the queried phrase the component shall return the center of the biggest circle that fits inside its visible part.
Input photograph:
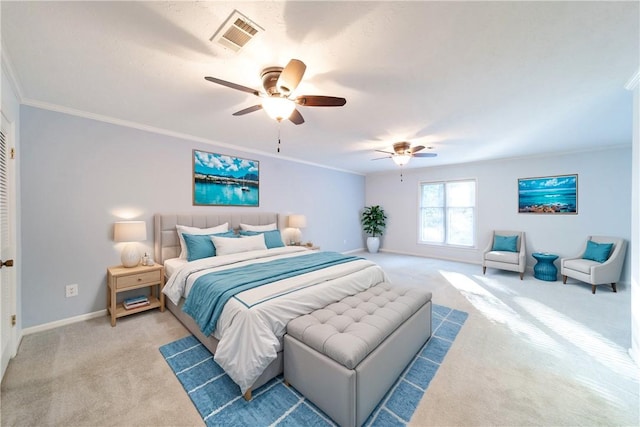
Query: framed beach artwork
(220, 180)
(548, 195)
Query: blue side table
(545, 269)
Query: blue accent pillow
(597, 251)
(200, 245)
(272, 238)
(505, 243)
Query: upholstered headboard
(166, 243)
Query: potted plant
(373, 222)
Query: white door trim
(10, 347)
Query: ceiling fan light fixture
(401, 159)
(278, 108)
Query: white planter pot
(373, 243)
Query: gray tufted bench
(346, 356)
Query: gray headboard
(166, 243)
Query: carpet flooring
(218, 400)
(531, 353)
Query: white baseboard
(353, 251)
(63, 322)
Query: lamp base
(130, 256)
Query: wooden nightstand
(120, 279)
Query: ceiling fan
(402, 153)
(277, 100)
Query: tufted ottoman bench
(346, 356)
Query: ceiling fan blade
(248, 110)
(320, 101)
(291, 76)
(417, 148)
(233, 85)
(380, 158)
(296, 117)
(385, 152)
(425, 155)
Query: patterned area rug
(219, 402)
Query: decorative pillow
(201, 246)
(226, 245)
(272, 238)
(505, 243)
(247, 227)
(222, 228)
(597, 251)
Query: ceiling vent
(236, 32)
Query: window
(447, 212)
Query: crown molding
(134, 125)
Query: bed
(247, 338)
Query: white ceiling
(474, 80)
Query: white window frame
(445, 216)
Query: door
(7, 247)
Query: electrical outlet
(71, 290)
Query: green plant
(373, 220)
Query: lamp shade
(130, 231)
(297, 221)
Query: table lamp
(297, 222)
(130, 232)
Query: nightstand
(121, 279)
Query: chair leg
(521, 276)
(484, 269)
(564, 279)
(593, 289)
(613, 285)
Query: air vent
(236, 32)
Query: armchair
(594, 272)
(505, 259)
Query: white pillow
(222, 228)
(230, 245)
(247, 227)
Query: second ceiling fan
(277, 101)
(403, 152)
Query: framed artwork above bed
(221, 180)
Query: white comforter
(252, 324)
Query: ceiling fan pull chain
(279, 122)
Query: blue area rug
(219, 402)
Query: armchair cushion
(503, 256)
(597, 251)
(505, 243)
(581, 265)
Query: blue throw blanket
(211, 292)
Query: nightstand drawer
(138, 279)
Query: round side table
(545, 269)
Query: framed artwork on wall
(548, 195)
(221, 180)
